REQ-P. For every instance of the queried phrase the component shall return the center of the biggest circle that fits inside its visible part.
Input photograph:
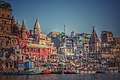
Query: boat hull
(69, 72)
(22, 73)
(57, 72)
(65, 72)
(47, 71)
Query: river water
(62, 77)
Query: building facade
(110, 45)
(75, 46)
(7, 39)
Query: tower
(37, 29)
(23, 31)
(94, 42)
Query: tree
(61, 35)
(5, 5)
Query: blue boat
(22, 73)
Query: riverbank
(63, 77)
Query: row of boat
(51, 71)
(37, 72)
(58, 72)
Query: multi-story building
(106, 36)
(39, 43)
(106, 39)
(110, 48)
(7, 39)
(66, 46)
(75, 46)
(81, 43)
(109, 43)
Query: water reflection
(62, 77)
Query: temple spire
(93, 28)
(94, 38)
(94, 42)
(23, 31)
(37, 29)
(23, 28)
(23, 25)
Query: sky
(77, 15)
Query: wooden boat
(69, 72)
(47, 71)
(63, 71)
(101, 71)
(22, 73)
(57, 72)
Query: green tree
(5, 5)
(61, 35)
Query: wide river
(62, 77)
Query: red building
(37, 50)
(35, 45)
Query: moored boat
(69, 72)
(22, 73)
(57, 71)
(47, 71)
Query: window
(0, 21)
(22, 57)
(39, 50)
(43, 50)
(3, 15)
(8, 16)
